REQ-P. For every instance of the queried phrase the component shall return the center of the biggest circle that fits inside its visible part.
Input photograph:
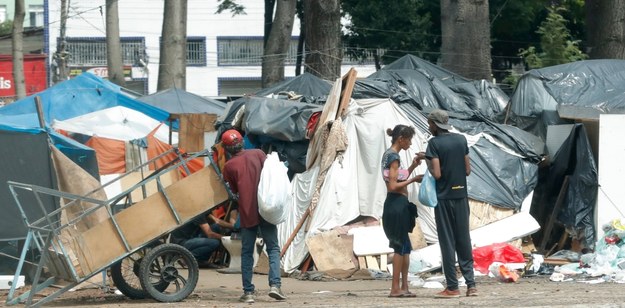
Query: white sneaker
(276, 293)
(247, 297)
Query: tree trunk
(300, 50)
(173, 47)
(605, 24)
(269, 6)
(465, 46)
(19, 83)
(113, 45)
(61, 56)
(324, 52)
(278, 43)
(302, 36)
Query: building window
(3, 13)
(91, 51)
(196, 51)
(247, 51)
(35, 14)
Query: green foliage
(232, 6)
(6, 27)
(400, 27)
(556, 46)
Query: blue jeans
(202, 247)
(269, 233)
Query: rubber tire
(166, 258)
(122, 281)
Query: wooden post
(42, 121)
(295, 231)
(554, 213)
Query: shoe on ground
(276, 293)
(448, 294)
(472, 291)
(247, 297)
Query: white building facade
(223, 51)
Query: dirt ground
(222, 290)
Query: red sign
(34, 74)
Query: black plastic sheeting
(27, 160)
(498, 177)
(417, 86)
(312, 88)
(414, 80)
(575, 160)
(279, 124)
(577, 90)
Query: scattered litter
(433, 285)
(321, 292)
(559, 277)
(594, 281)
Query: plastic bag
(427, 190)
(274, 190)
(484, 256)
(501, 272)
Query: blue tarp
(83, 94)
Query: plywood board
(152, 217)
(611, 195)
(370, 241)
(133, 178)
(505, 230)
(417, 239)
(328, 114)
(192, 129)
(331, 250)
(348, 82)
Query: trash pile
(605, 264)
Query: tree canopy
(399, 27)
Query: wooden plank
(348, 82)
(383, 262)
(328, 114)
(372, 263)
(192, 129)
(331, 250)
(151, 218)
(362, 263)
(552, 219)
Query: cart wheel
(125, 275)
(173, 264)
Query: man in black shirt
(448, 156)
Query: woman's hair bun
(389, 131)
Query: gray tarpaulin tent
(179, 101)
(578, 90)
(310, 87)
(564, 94)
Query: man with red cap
(242, 173)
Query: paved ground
(222, 290)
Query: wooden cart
(73, 251)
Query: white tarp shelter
(119, 123)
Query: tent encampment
(28, 159)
